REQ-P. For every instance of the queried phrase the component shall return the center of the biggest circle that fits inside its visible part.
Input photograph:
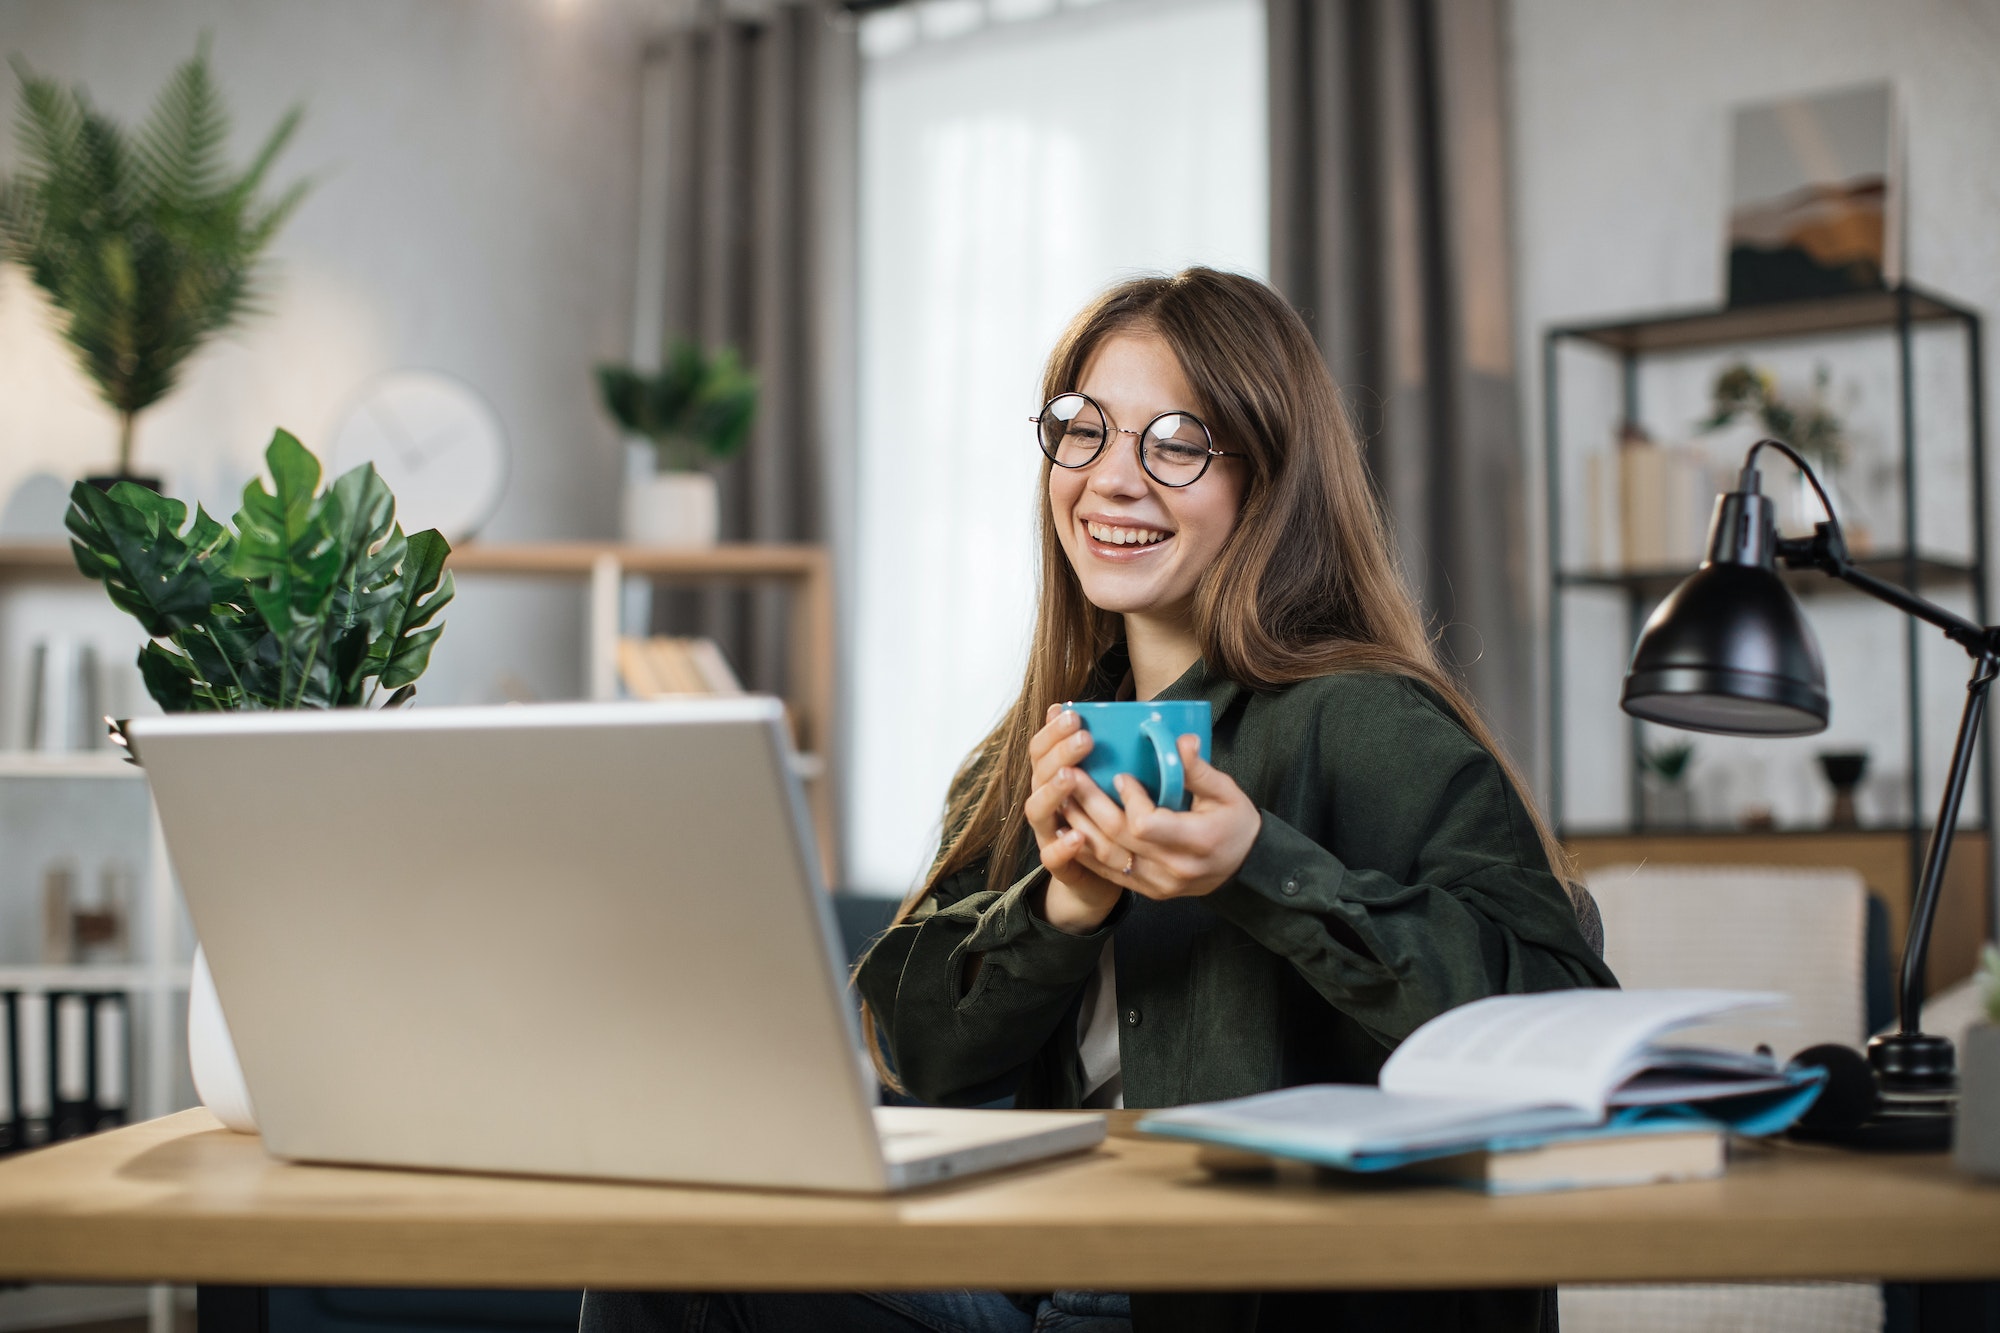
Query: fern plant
(145, 243)
(317, 600)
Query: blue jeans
(856, 1312)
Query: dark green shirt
(1396, 875)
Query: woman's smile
(1115, 538)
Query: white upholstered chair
(1799, 931)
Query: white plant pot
(1976, 1139)
(671, 509)
(218, 1079)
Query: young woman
(1357, 857)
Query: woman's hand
(1092, 848)
(1168, 853)
(1077, 899)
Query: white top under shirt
(1097, 1037)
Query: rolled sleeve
(954, 1043)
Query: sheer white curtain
(1008, 173)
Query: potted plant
(316, 599)
(1976, 1142)
(695, 410)
(1667, 802)
(146, 244)
(1743, 392)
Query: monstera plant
(315, 600)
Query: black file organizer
(79, 1099)
(13, 1132)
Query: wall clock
(437, 443)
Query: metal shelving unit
(1897, 313)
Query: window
(1009, 170)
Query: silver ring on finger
(1131, 860)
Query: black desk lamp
(1729, 652)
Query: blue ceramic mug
(1142, 739)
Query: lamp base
(1905, 1128)
(1914, 1063)
(1915, 1100)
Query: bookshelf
(155, 976)
(154, 981)
(1847, 327)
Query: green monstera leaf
(315, 600)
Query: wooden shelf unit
(804, 571)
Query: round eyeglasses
(1174, 448)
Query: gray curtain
(1389, 231)
(758, 125)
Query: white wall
(473, 213)
(1621, 159)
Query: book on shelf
(663, 666)
(1521, 1092)
(1647, 504)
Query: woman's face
(1139, 548)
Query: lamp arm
(1916, 948)
(1910, 1056)
(1823, 551)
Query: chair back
(1801, 931)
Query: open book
(1517, 1071)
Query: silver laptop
(562, 939)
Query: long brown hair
(1306, 585)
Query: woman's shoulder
(1373, 708)
(1364, 690)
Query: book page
(1563, 1047)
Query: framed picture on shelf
(1815, 197)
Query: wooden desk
(181, 1200)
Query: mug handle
(1166, 750)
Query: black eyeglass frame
(1139, 436)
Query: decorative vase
(1844, 770)
(1976, 1140)
(1664, 804)
(218, 1079)
(671, 509)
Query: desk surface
(181, 1199)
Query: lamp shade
(1729, 650)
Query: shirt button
(1291, 887)
(1132, 1017)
